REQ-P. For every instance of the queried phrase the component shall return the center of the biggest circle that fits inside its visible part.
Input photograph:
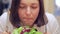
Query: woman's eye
(34, 7)
(22, 7)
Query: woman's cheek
(35, 14)
(20, 13)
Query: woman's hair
(14, 17)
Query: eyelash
(34, 7)
(25, 7)
(22, 7)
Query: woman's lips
(28, 18)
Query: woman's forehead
(29, 1)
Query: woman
(31, 13)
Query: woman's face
(28, 11)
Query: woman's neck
(24, 25)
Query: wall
(49, 6)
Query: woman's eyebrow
(31, 4)
(22, 4)
(34, 4)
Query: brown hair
(14, 18)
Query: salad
(25, 30)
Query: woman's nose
(28, 12)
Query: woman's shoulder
(51, 18)
(2, 26)
(52, 24)
(4, 22)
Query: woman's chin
(28, 24)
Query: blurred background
(51, 6)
